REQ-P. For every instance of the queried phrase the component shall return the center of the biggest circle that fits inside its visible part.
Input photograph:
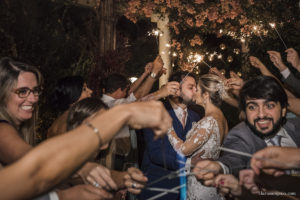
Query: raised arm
(145, 88)
(293, 58)
(255, 62)
(43, 167)
(134, 86)
(294, 105)
(201, 133)
(171, 88)
(275, 57)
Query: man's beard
(271, 133)
(185, 100)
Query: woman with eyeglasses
(20, 86)
(67, 91)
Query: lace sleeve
(199, 134)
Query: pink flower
(191, 10)
(196, 41)
(220, 20)
(189, 21)
(168, 3)
(148, 9)
(199, 1)
(199, 22)
(212, 14)
(180, 55)
(174, 26)
(134, 3)
(163, 9)
(243, 20)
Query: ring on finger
(95, 184)
(133, 185)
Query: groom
(160, 159)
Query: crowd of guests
(91, 148)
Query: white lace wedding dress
(203, 136)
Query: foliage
(192, 22)
(54, 36)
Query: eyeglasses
(25, 92)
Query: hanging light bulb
(229, 59)
(222, 46)
(223, 71)
(236, 51)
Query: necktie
(276, 140)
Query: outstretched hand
(273, 160)
(234, 82)
(293, 58)
(100, 177)
(255, 62)
(247, 179)
(275, 57)
(151, 114)
(135, 180)
(207, 170)
(228, 184)
(215, 71)
(170, 88)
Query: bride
(206, 135)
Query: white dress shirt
(110, 102)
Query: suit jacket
(293, 82)
(160, 158)
(241, 138)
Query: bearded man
(264, 102)
(160, 158)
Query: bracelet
(95, 131)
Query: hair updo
(215, 87)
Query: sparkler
(273, 25)
(195, 59)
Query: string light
(222, 46)
(229, 59)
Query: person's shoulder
(293, 122)
(238, 129)
(7, 128)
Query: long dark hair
(66, 92)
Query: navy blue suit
(160, 158)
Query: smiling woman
(20, 89)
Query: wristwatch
(153, 75)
